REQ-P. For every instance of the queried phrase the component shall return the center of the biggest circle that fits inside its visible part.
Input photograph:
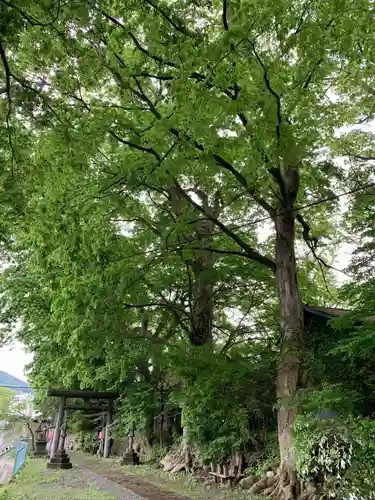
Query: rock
(247, 482)
(270, 474)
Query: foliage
(135, 410)
(86, 440)
(6, 401)
(227, 402)
(147, 149)
(359, 480)
(336, 454)
(324, 450)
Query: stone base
(40, 450)
(67, 465)
(130, 458)
(36, 454)
(60, 461)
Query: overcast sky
(13, 360)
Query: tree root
(262, 485)
(309, 494)
(178, 460)
(283, 486)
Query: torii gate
(58, 457)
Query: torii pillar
(107, 433)
(59, 421)
(58, 457)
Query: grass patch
(185, 484)
(35, 482)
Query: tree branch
(311, 74)
(229, 167)
(30, 19)
(251, 253)
(6, 71)
(301, 19)
(180, 28)
(272, 91)
(153, 304)
(156, 77)
(360, 157)
(225, 12)
(312, 243)
(8, 75)
(241, 179)
(223, 252)
(136, 146)
(141, 94)
(136, 42)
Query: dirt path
(109, 476)
(108, 485)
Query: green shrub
(337, 455)
(87, 440)
(156, 453)
(226, 402)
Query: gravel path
(104, 484)
(109, 477)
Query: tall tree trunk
(201, 287)
(201, 281)
(286, 486)
(291, 311)
(292, 340)
(202, 293)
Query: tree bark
(286, 486)
(202, 306)
(31, 434)
(201, 281)
(289, 369)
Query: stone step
(130, 458)
(65, 465)
(60, 460)
(37, 454)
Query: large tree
(234, 104)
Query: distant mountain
(14, 383)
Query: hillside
(19, 386)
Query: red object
(101, 436)
(50, 436)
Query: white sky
(13, 360)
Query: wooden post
(107, 438)
(59, 422)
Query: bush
(360, 480)
(156, 453)
(337, 455)
(226, 402)
(87, 441)
(269, 458)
